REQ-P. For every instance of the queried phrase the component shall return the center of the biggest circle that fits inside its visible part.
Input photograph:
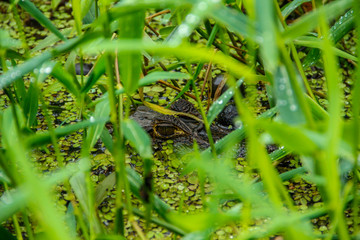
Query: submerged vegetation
(270, 149)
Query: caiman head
(181, 129)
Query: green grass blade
(20, 91)
(88, 12)
(95, 74)
(79, 186)
(17, 200)
(50, 40)
(55, 3)
(40, 197)
(192, 21)
(286, 101)
(235, 21)
(311, 20)
(70, 220)
(342, 26)
(102, 110)
(265, 14)
(155, 76)
(186, 51)
(44, 137)
(316, 43)
(130, 27)
(40, 17)
(290, 7)
(221, 102)
(238, 134)
(12, 203)
(66, 79)
(76, 10)
(329, 161)
(337, 31)
(137, 137)
(3, 177)
(6, 42)
(28, 66)
(290, 137)
(31, 104)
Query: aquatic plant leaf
(238, 135)
(102, 110)
(55, 3)
(221, 102)
(11, 203)
(88, 12)
(103, 187)
(186, 51)
(317, 43)
(286, 101)
(236, 21)
(96, 73)
(79, 186)
(155, 76)
(289, 136)
(22, 69)
(7, 42)
(76, 10)
(3, 177)
(290, 7)
(265, 14)
(137, 137)
(130, 27)
(66, 79)
(40, 17)
(44, 137)
(341, 27)
(50, 40)
(31, 104)
(70, 220)
(309, 21)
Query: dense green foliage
(73, 165)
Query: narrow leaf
(131, 27)
(138, 138)
(288, 105)
(102, 110)
(311, 20)
(40, 17)
(221, 102)
(44, 137)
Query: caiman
(183, 130)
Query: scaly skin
(181, 129)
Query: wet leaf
(40, 17)
(286, 101)
(130, 26)
(138, 138)
(102, 110)
(221, 102)
(290, 137)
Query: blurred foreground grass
(64, 176)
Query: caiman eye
(167, 131)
